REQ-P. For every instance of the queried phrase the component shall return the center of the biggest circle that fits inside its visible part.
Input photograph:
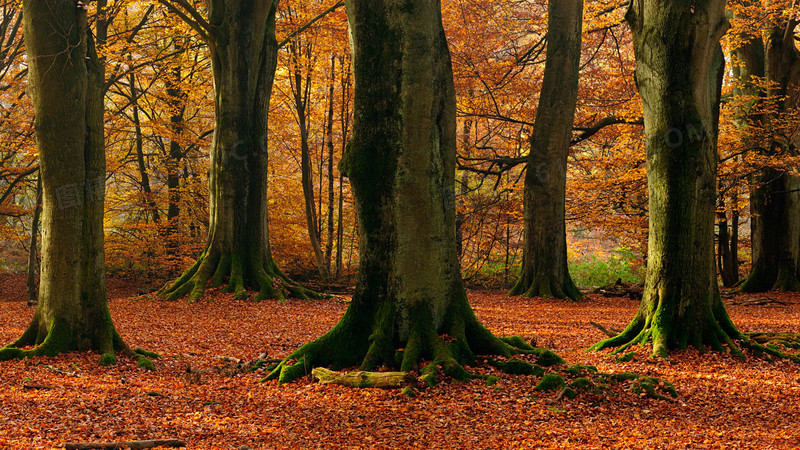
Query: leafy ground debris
(722, 403)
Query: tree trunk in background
(401, 164)
(241, 37)
(345, 127)
(33, 267)
(679, 67)
(775, 192)
(177, 104)
(66, 87)
(144, 177)
(463, 189)
(727, 245)
(301, 90)
(544, 260)
(329, 145)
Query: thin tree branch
(191, 16)
(16, 181)
(605, 122)
(308, 24)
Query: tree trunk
(241, 37)
(679, 67)
(544, 258)
(344, 123)
(65, 86)
(33, 251)
(775, 192)
(401, 164)
(177, 103)
(329, 145)
(301, 87)
(775, 229)
(147, 192)
(727, 245)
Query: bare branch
(191, 16)
(308, 24)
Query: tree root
(58, 340)
(718, 334)
(547, 287)
(262, 276)
(350, 344)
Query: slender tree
(241, 38)
(65, 85)
(544, 259)
(401, 164)
(679, 67)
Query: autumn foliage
(159, 126)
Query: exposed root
(238, 277)
(59, 340)
(718, 334)
(547, 287)
(351, 344)
(763, 280)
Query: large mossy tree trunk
(401, 164)
(241, 38)
(679, 66)
(65, 85)
(544, 260)
(775, 191)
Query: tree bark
(679, 67)
(65, 85)
(401, 164)
(329, 145)
(177, 104)
(775, 191)
(544, 260)
(241, 37)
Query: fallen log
(361, 379)
(621, 289)
(125, 444)
(761, 301)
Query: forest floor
(723, 402)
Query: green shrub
(592, 272)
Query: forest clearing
(722, 402)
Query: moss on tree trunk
(409, 310)
(679, 73)
(774, 191)
(65, 86)
(544, 261)
(244, 50)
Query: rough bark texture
(775, 192)
(65, 86)
(401, 163)
(544, 260)
(679, 73)
(241, 37)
